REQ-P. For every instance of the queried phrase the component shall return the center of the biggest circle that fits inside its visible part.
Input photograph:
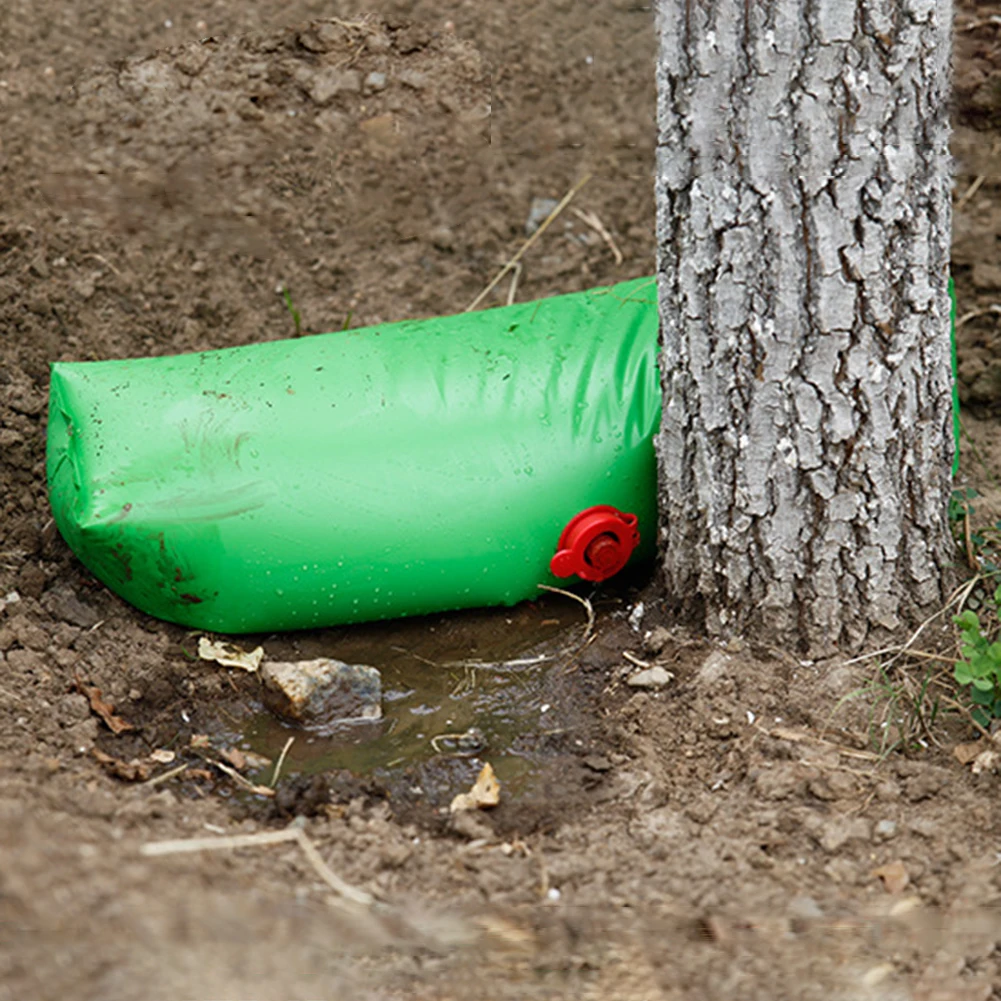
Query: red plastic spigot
(596, 544)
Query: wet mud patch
(519, 688)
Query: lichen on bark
(803, 190)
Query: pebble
(656, 639)
(320, 694)
(375, 81)
(884, 830)
(538, 213)
(413, 79)
(325, 85)
(65, 605)
(651, 677)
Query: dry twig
(515, 275)
(970, 192)
(280, 762)
(591, 219)
(588, 607)
(164, 776)
(181, 845)
(974, 313)
(633, 659)
(528, 243)
(957, 598)
(241, 781)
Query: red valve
(596, 544)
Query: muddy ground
(753, 830)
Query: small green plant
(980, 666)
(902, 708)
(293, 312)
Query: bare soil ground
(164, 168)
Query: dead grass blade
(230, 842)
(564, 202)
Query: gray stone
(656, 639)
(884, 830)
(320, 694)
(413, 79)
(65, 605)
(323, 86)
(538, 213)
(651, 677)
(836, 832)
(713, 669)
(375, 81)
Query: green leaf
(983, 696)
(962, 673)
(967, 620)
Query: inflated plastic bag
(387, 471)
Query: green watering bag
(388, 471)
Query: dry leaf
(103, 709)
(967, 753)
(199, 740)
(162, 756)
(130, 771)
(235, 757)
(894, 876)
(230, 656)
(485, 792)
(986, 761)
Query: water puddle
(465, 686)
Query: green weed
(980, 663)
(293, 311)
(902, 710)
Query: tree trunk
(803, 228)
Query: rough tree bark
(803, 229)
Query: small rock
(321, 36)
(835, 833)
(413, 79)
(320, 694)
(324, 85)
(656, 639)
(714, 668)
(598, 763)
(85, 286)
(651, 677)
(442, 238)
(472, 824)
(65, 605)
(375, 81)
(884, 830)
(925, 827)
(538, 213)
(635, 619)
